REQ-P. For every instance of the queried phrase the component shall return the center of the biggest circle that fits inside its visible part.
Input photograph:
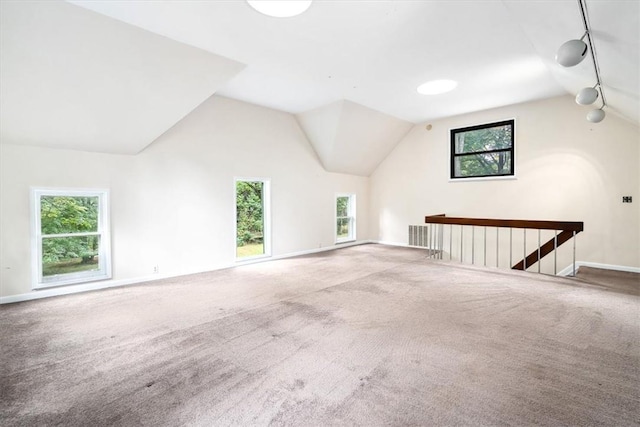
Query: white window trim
(352, 216)
(266, 217)
(104, 254)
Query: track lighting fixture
(572, 53)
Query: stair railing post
(525, 250)
(539, 260)
(497, 247)
(555, 253)
(473, 244)
(484, 251)
(510, 247)
(450, 242)
(461, 232)
(435, 240)
(574, 254)
(441, 240)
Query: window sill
(70, 281)
(484, 178)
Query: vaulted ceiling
(74, 79)
(112, 76)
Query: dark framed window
(483, 151)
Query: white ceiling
(115, 79)
(70, 78)
(376, 53)
(615, 26)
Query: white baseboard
(404, 245)
(565, 272)
(74, 289)
(94, 286)
(306, 252)
(569, 270)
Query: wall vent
(418, 236)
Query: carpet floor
(367, 335)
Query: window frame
(351, 206)
(266, 218)
(103, 231)
(512, 150)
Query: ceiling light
(280, 8)
(572, 52)
(596, 116)
(435, 87)
(587, 96)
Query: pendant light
(587, 96)
(596, 116)
(572, 53)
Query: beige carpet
(368, 335)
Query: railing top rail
(509, 223)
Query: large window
(70, 236)
(483, 151)
(252, 218)
(345, 217)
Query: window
(252, 218)
(483, 150)
(345, 217)
(70, 241)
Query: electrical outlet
(626, 199)
(156, 269)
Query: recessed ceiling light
(280, 8)
(435, 87)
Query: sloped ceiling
(350, 138)
(373, 53)
(72, 78)
(114, 75)
(376, 53)
(615, 28)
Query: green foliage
(474, 141)
(342, 206)
(498, 163)
(63, 215)
(64, 249)
(481, 140)
(343, 227)
(70, 266)
(249, 213)
(250, 250)
(342, 212)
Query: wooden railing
(563, 232)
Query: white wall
(172, 204)
(567, 169)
